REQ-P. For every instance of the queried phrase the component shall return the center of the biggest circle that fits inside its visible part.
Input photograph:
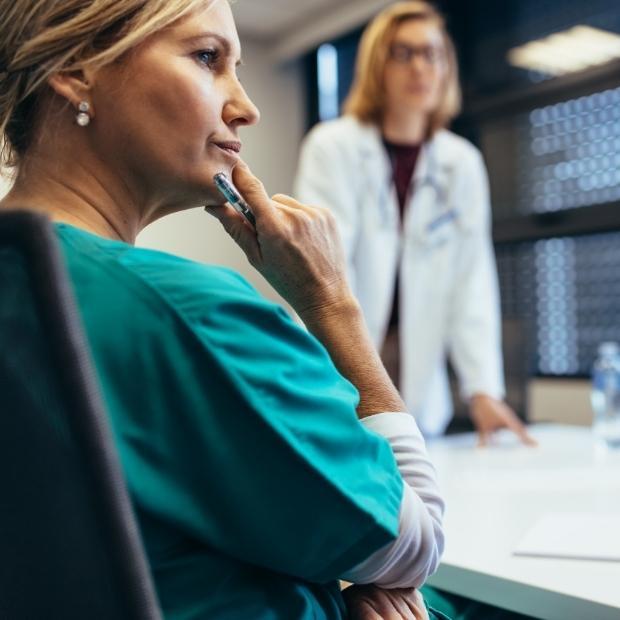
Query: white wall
(294, 27)
(270, 149)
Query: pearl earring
(83, 117)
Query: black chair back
(69, 544)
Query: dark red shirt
(404, 158)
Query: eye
(208, 57)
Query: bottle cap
(609, 348)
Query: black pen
(228, 190)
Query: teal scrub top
(254, 484)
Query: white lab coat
(449, 303)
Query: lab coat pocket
(442, 228)
(430, 222)
(436, 230)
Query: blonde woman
(412, 205)
(264, 462)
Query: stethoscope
(430, 182)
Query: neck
(404, 126)
(79, 196)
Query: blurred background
(541, 80)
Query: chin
(213, 199)
(195, 192)
(197, 185)
(421, 102)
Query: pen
(228, 190)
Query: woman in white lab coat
(412, 203)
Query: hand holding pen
(229, 191)
(294, 246)
(297, 249)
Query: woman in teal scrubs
(265, 462)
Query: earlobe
(74, 88)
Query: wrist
(344, 307)
(479, 397)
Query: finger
(483, 438)
(238, 228)
(519, 429)
(374, 600)
(286, 208)
(363, 611)
(252, 190)
(286, 200)
(417, 606)
(399, 601)
(409, 603)
(228, 218)
(385, 605)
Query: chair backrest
(69, 544)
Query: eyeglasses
(403, 54)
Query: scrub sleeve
(254, 483)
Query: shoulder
(175, 308)
(456, 152)
(201, 296)
(344, 133)
(452, 148)
(173, 274)
(154, 279)
(464, 166)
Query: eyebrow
(224, 42)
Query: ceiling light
(567, 52)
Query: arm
(297, 249)
(475, 326)
(414, 555)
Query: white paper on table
(584, 536)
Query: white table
(494, 495)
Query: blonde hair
(41, 37)
(366, 100)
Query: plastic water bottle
(606, 395)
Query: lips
(418, 88)
(232, 147)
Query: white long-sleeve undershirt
(410, 559)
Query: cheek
(438, 81)
(167, 117)
(391, 83)
(183, 113)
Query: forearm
(415, 554)
(298, 251)
(341, 328)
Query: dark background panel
(552, 148)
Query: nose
(418, 63)
(239, 110)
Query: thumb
(252, 190)
(238, 229)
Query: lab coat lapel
(430, 215)
(421, 197)
(376, 168)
